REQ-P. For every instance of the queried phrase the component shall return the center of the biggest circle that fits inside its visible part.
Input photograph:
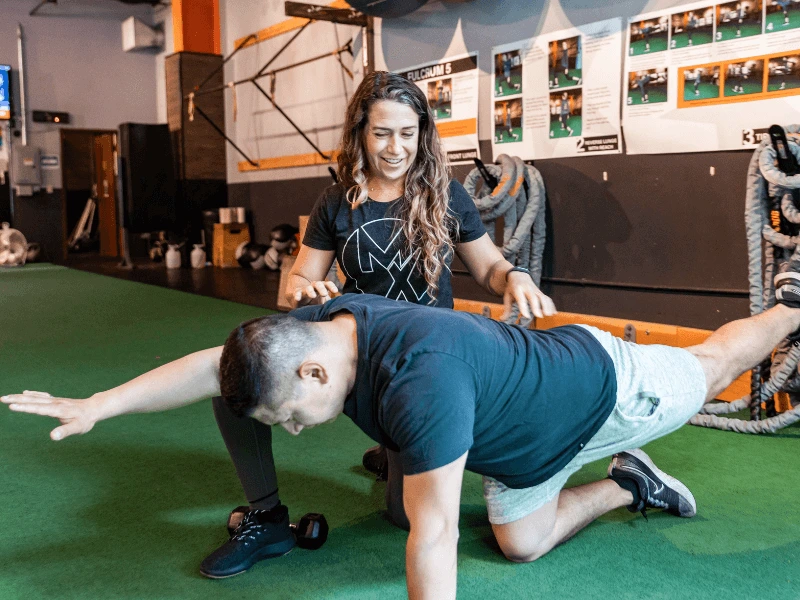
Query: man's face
(314, 404)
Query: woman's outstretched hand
(317, 292)
(521, 290)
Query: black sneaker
(262, 534)
(787, 289)
(375, 461)
(650, 486)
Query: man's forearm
(431, 567)
(181, 382)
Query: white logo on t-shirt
(365, 261)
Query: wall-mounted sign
(50, 161)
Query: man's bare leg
(726, 354)
(536, 534)
(740, 345)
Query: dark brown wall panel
(201, 149)
(662, 240)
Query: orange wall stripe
(456, 128)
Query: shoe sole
(668, 480)
(272, 551)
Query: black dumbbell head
(311, 531)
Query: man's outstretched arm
(181, 382)
(432, 501)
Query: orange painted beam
(196, 26)
(290, 24)
(287, 161)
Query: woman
(394, 222)
(395, 207)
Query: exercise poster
(704, 77)
(451, 86)
(558, 94)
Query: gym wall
(661, 240)
(74, 63)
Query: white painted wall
(75, 63)
(162, 15)
(313, 95)
(316, 95)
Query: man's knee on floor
(521, 542)
(526, 552)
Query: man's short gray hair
(260, 361)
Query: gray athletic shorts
(659, 388)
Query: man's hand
(175, 384)
(76, 416)
(316, 292)
(529, 298)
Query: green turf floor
(658, 43)
(129, 510)
(443, 112)
(504, 89)
(574, 121)
(775, 21)
(655, 95)
(727, 31)
(681, 40)
(749, 86)
(788, 82)
(570, 80)
(502, 136)
(707, 90)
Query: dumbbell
(311, 531)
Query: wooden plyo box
(228, 237)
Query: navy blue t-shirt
(371, 248)
(433, 384)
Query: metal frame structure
(312, 12)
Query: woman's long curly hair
(426, 222)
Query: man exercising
(565, 64)
(642, 80)
(784, 4)
(741, 11)
(646, 30)
(564, 113)
(451, 391)
(509, 127)
(692, 27)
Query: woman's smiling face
(391, 140)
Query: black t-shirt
(434, 384)
(371, 248)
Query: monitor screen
(5, 92)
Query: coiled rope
(519, 198)
(770, 251)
